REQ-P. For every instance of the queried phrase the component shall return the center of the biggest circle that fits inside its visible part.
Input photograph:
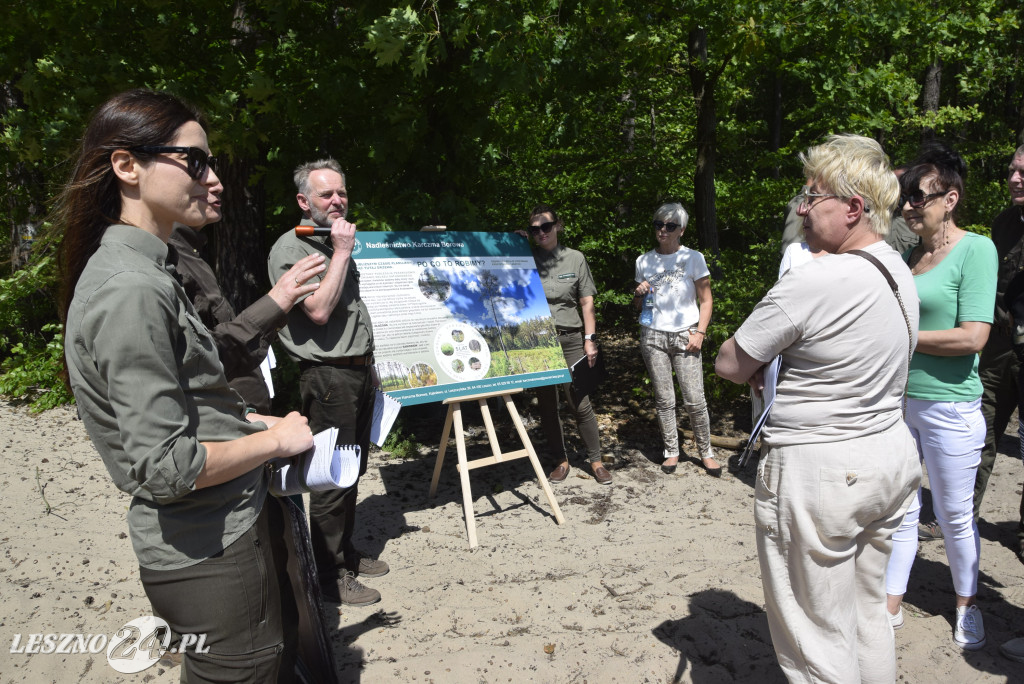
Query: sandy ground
(654, 579)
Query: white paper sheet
(269, 364)
(322, 468)
(385, 411)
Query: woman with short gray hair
(673, 291)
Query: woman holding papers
(153, 396)
(673, 293)
(838, 467)
(955, 274)
(570, 290)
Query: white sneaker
(896, 620)
(969, 633)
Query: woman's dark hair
(91, 199)
(544, 209)
(937, 159)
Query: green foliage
(34, 375)
(747, 275)
(467, 114)
(399, 445)
(31, 343)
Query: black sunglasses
(658, 225)
(196, 158)
(543, 227)
(917, 198)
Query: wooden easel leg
(492, 436)
(467, 493)
(441, 450)
(528, 445)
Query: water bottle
(647, 313)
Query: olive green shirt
(348, 331)
(566, 278)
(150, 388)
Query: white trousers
(825, 515)
(950, 436)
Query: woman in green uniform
(570, 291)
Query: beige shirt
(348, 331)
(844, 347)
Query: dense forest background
(467, 113)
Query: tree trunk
(22, 191)
(704, 178)
(240, 258)
(775, 120)
(624, 179)
(1020, 123)
(930, 94)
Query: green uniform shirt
(566, 278)
(348, 331)
(962, 287)
(150, 388)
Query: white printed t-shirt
(675, 296)
(844, 347)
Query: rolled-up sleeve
(133, 333)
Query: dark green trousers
(241, 599)
(341, 397)
(547, 404)
(999, 370)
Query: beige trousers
(825, 514)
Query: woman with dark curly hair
(955, 275)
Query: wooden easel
(464, 466)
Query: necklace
(917, 263)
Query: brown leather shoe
(602, 475)
(560, 473)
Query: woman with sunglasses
(674, 287)
(955, 275)
(570, 291)
(152, 394)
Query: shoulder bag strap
(896, 291)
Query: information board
(456, 313)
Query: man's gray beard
(320, 218)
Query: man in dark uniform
(999, 366)
(330, 336)
(244, 339)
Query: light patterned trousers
(664, 352)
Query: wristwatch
(592, 337)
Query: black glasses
(196, 158)
(917, 198)
(658, 225)
(543, 227)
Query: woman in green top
(955, 275)
(152, 394)
(570, 291)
